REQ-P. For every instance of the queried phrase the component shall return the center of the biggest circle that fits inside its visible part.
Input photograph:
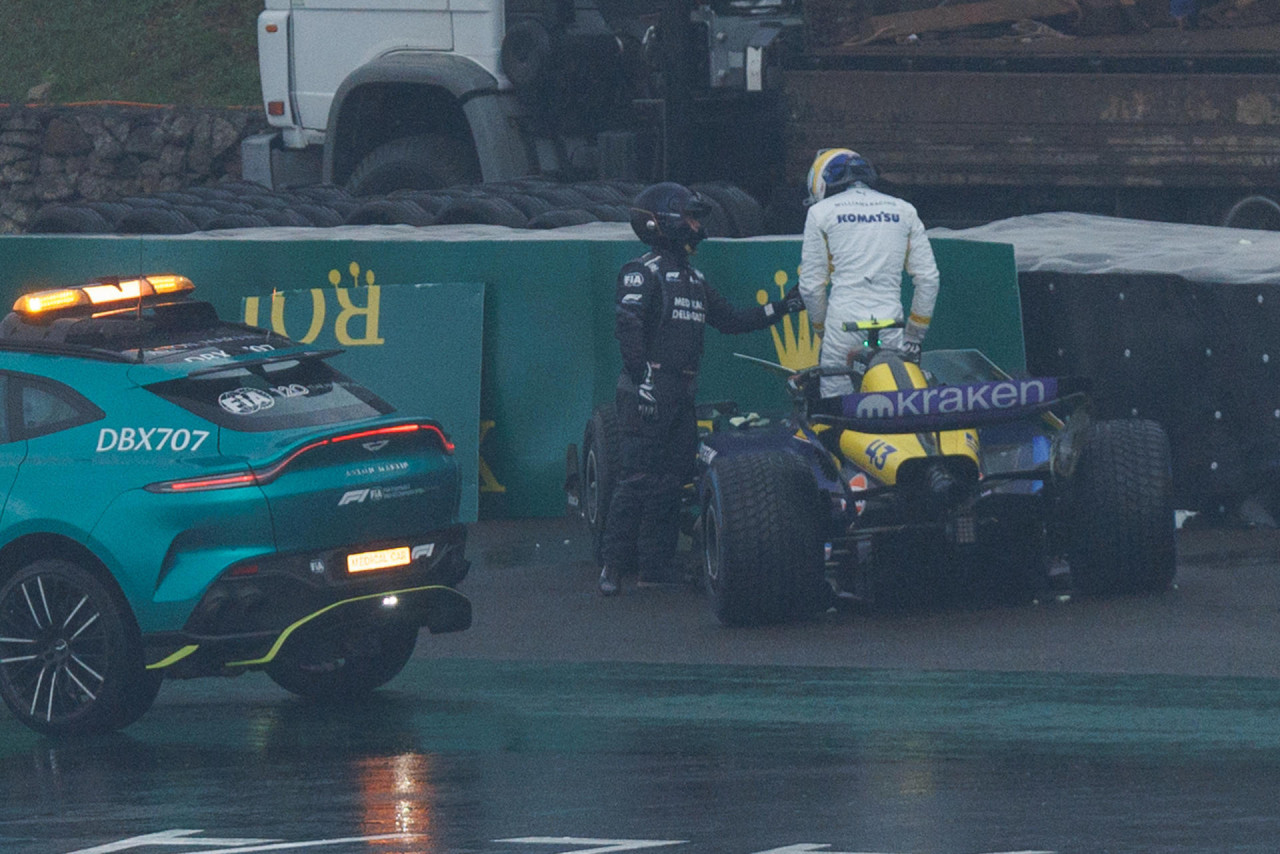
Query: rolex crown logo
(796, 344)
(335, 276)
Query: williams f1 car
(944, 477)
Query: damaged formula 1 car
(948, 477)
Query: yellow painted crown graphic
(797, 346)
(335, 277)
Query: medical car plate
(381, 559)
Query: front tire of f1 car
(1121, 537)
(334, 669)
(600, 460)
(762, 553)
(70, 655)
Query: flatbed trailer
(1165, 124)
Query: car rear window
(273, 395)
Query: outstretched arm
(728, 318)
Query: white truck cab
(377, 95)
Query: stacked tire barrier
(528, 204)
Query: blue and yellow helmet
(837, 169)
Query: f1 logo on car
(357, 496)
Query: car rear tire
(762, 553)
(601, 456)
(70, 655)
(1121, 535)
(334, 668)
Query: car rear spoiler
(955, 407)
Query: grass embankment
(191, 52)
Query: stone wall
(103, 152)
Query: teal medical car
(185, 496)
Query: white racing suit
(862, 240)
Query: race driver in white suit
(860, 241)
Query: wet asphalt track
(562, 722)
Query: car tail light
(263, 476)
(204, 484)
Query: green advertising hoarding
(547, 351)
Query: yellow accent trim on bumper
(284, 635)
(174, 658)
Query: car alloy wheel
(70, 663)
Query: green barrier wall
(548, 352)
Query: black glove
(647, 396)
(910, 350)
(793, 301)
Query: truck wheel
(70, 655)
(336, 668)
(526, 53)
(761, 547)
(427, 162)
(1121, 531)
(600, 461)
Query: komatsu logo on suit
(875, 217)
(983, 397)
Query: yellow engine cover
(880, 454)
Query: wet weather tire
(1121, 512)
(601, 457)
(70, 655)
(762, 552)
(339, 668)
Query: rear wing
(954, 407)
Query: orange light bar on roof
(43, 301)
(102, 293)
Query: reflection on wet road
(628, 741)
(462, 754)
